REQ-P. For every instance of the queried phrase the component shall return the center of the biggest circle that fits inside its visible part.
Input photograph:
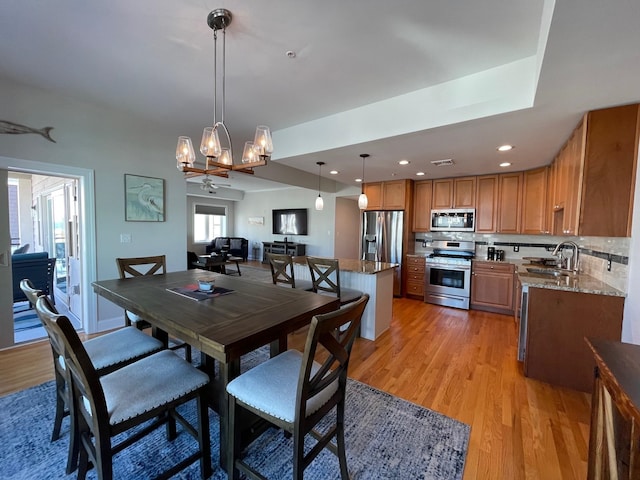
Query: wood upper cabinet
(610, 156)
(454, 193)
(394, 194)
(422, 195)
(567, 184)
(534, 201)
(391, 195)
(509, 202)
(373, 191)
(487, 204)
(594, 174)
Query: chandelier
(219, 154)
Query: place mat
(192, 292)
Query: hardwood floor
(459, 363)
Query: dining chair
(138, 267)
(325, 276)
(294, 392)
(282, 272)
(103, 407)
(107, 353)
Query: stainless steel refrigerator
(382, 240)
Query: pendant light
(363, 201)
(319, 201)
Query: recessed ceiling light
(419, 174)
(334, 172)
(505, 148)
(505, 164)
(404, 162)
(291, 54)
(358, 179)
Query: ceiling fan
(208, 185)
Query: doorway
(43, 217)
(57, 216)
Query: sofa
(235, 246)
(38, 268)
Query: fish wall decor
(16, 129)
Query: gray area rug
(255, 274)
(24, 318)
(386, 438)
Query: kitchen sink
(552, 272)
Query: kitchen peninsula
(556, 315)
(374, 278)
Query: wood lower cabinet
(557, 323)
(492, 286)
(415, 276)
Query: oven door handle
(449, 267)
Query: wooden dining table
(223, 328)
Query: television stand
(288, 248)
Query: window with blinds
(209, 222)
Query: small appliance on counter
(491, 253)
(499, 255)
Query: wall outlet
(516, 248)
(125, 238)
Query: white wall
(321, 236)
(111, 144)
(631, 323)
(347, 238)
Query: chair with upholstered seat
(138, 267)
(107, 353)
(325, 276)
(146, 391)
(282, 272)
(294, 392)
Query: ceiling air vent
(442, 163)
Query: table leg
(228, 371)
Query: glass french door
(60, 236)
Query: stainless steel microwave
(453, 220)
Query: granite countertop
(357, 266)
(581, 283)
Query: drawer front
(415, 288)
(496, 267)
(415, 265)
(415, 277)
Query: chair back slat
(281, 266)
(325, 274)
(331, 332)
(140, 266)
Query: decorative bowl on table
(206, 285)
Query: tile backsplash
(595, 252)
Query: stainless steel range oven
(448, 273)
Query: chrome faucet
(572, 262)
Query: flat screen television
(289, 221)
